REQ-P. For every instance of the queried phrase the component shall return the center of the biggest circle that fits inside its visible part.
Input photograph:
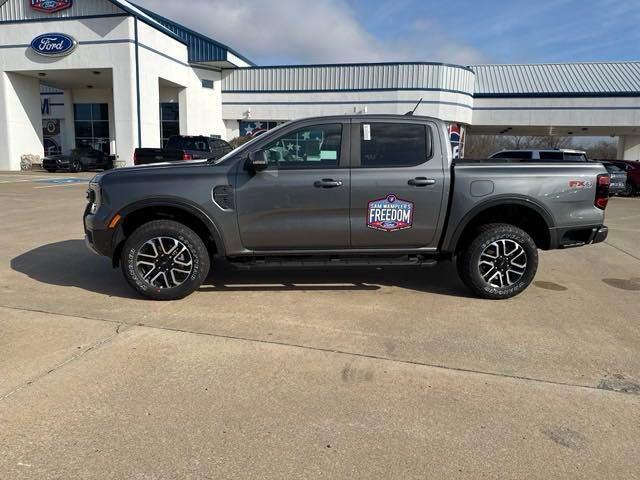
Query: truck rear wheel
(499, 262)
(165, 260)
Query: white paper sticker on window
(367, 131)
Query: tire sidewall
(190, 239)
(483, 241)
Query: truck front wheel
(499, 261)
(165, 260)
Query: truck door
(397, 184)
(301, 201)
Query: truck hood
(151, 169)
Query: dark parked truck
(183, 147)
(344, 191)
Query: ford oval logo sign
(53, 44)
(50, 6)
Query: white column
(629, 147)
(20, 119)
(125, 110)
(69, 132)
(150, 109)
(183, 111)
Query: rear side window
(518, 154)
(556, 156)
(199, 144)
(394, 145)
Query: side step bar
(254, 263)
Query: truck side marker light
(114, 221)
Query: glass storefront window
(169, 121)
(92, 126)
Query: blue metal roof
(561, 79)
(201, 49)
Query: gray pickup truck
(373, 190)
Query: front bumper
(55, 164)
(99, 240)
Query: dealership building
(114, 76)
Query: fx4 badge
(390, 214)
(580, 184)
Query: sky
(278, 32)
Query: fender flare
(182, 204)
(452, 236)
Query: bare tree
(602, 150)
(480, 146)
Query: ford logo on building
(53, 44)
(50, 6)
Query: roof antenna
(410, 113)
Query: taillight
(186, 156)
(602, 191)
(135, 157)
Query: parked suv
(551, 155)
(340, 191)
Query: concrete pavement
(360, 374)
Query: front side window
(394, 145)
(310, 147)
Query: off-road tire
(197, 250)
(469, 258)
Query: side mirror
(258, 161)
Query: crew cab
(369, 190)
(183, 147)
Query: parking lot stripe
(64, 185)
(31, 179)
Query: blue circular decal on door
(53, 44)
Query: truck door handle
(421, 182)
(327, 183)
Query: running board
(255, 263)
